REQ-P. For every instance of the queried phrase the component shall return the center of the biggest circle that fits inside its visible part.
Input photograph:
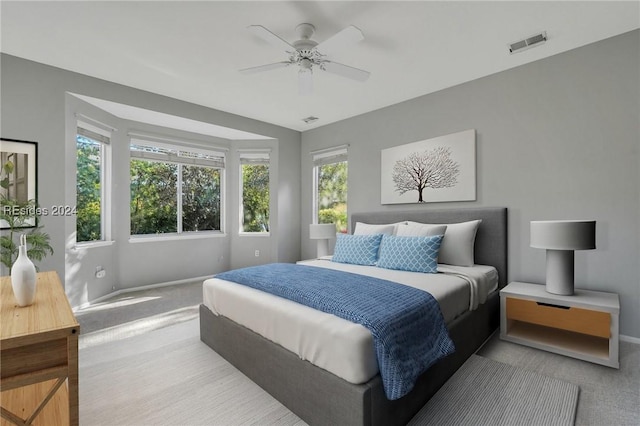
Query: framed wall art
(434, 170)
(18, 182)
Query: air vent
(527, 43)
(310, 119)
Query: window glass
(331, 194)
(255, 197)
(154, 201)
(174, 189)
(200, 198)
(90, 187)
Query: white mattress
(329, 342)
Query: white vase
(23, 278)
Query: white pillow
(415, 229)
(369, 229)
(458, 243)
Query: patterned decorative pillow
(415, 254)
(357, 249)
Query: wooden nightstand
(39, 355)
(583, 326)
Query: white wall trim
(93, 122)
(141, 288)
(630, 339)
(175, 236)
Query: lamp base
(323, 248)
(560, 267)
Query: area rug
(487, 392)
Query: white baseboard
(630, 339)
(141, 288)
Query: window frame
(102, 134)
(322, 157)
(252, 157)
(217, 163)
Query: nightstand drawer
(585, 321)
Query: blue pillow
(357, 249)
(415, 254)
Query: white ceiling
(193, 50)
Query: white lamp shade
(561, 238)
(322, 231)
(563, 234)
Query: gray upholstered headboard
(491, 239)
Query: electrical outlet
(100, 272)
(257, 253)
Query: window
(254, 196)
(174, 189)
(92, 168)
(330, 187)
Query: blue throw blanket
(409, 333)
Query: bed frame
(321, 398)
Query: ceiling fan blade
(341, 39)
(267, 67)
(305, 82)
(346, 71)
(271, 38)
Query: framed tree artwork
(18, 183)
(433, 170)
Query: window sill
(254, 234)
(93, 244)
(176, 237)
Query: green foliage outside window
(255, 197)
(332, 194)
(200, 198)
(88, 177)
(154, 199)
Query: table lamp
(322, 232)
(561, 238)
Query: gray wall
(35, 106)
(556, 139)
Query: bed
(320, 396)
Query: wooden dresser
(39, 356)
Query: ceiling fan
(308, 54)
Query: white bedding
(334, 344)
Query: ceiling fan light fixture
(305, 30)
(307, 53)
(305, 64)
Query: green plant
(19, 216)
(337, 215)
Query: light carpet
(169, 377)
(487, 392)
(607, 396)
